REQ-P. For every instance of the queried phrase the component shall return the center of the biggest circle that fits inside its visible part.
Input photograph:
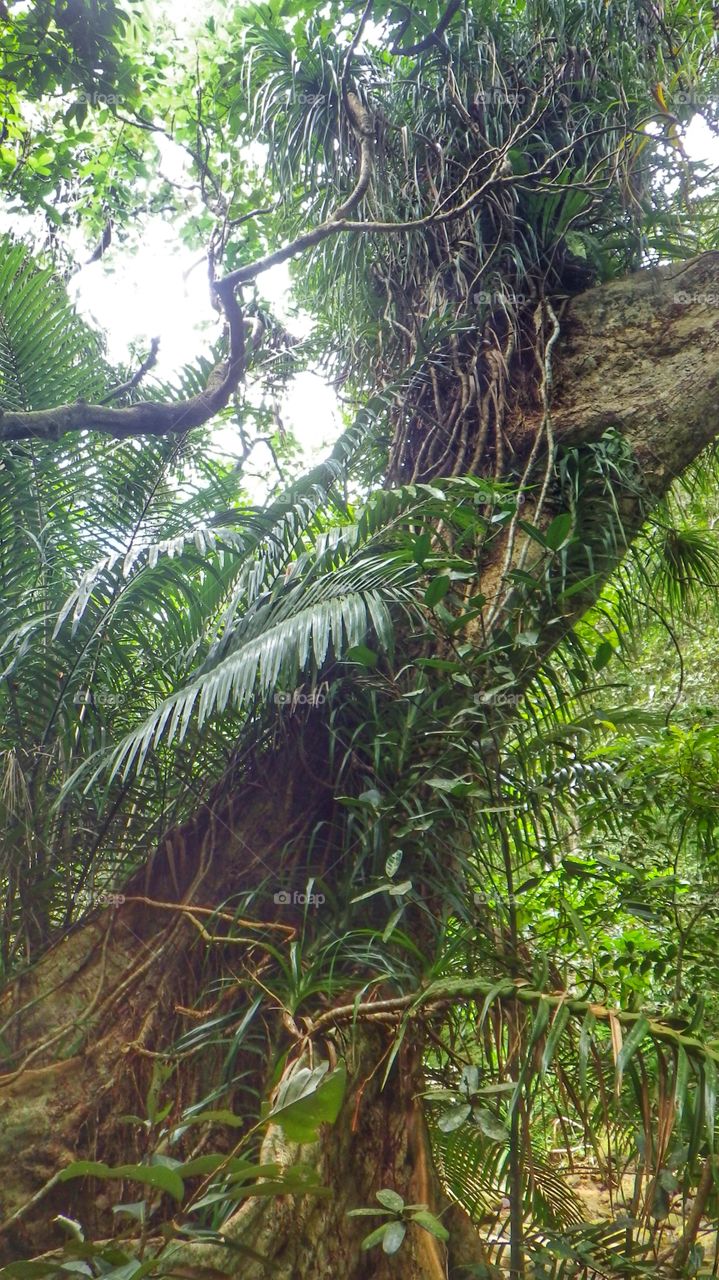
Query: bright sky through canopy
(159, 288)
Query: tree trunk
(379, 1140)
(83, 1024)
(639, 356)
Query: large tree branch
(148, 417)
(642, 355)
(638, 357)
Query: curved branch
(398, 51)
(148, 363)
(161, 418)
(156, 418)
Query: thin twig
(148, 363)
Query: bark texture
(642, 355)
(380, 1140)
(82, 1023)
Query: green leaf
(371, 797)
(490, 1125)
(390, 1199)
(220, 1116)
(133, 1270)
(374, 1237)
(369, 1213)
(469, 1079)
(453, 786)
(394, 1234)
(556, 1031)
(710, 1096)
(528, 637)
(361, 654)
(533, 532)
(308, 1099)
(136, 1209)
(399, 890)
(576, 244)
(268, 1180)
(629, 1047)
(455, 1117)
(421, 548)
(437, 590)
(585, 1043)
(71, 1225)
(427, 1220)
(392, 923)
(158, 1176)
(392, 865)
(558, 531)
(661, 1202)
(386, 887)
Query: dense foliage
(525, 836)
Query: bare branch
(148, 417)
(148, 363)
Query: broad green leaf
(392, 865)
(556, 1031)
(369, 1213)
(490, 1125)
(361, 654)
(558, 531)
(427, 1220)
(585, 1044)
(309, 1099)
(629, 1047)
(392, 923)
(437, 590)
(469, 1079)
(455, 1117)
(374, 1237)
(390, 1200)
(394, 1234)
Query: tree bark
(379, 1140)
(640, 356)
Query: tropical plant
(374, 859)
